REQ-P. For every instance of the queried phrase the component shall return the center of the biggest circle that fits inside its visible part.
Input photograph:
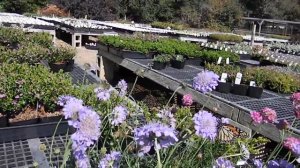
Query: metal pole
(253, 34)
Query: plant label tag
(241, 163)
(276, 60)
(238, 78)
(252, 83)
(268, 58)
(227, 60)
(219, 60)
(215, 47)
(221, 48)
(298, 160)
(226, 49)
(224, 77)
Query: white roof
(20, 19)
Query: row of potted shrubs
(141, 48)
(278, 79)
(16, 46)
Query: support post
(253, 34)
(260, 24)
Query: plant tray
(34, 131)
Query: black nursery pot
(224, 87)
(159, 65)
(51, 119)
(3, 121)
(255, 92)
(66, 66)
(240, 89)
(177, 64)
(26, 122)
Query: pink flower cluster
(187, 100)
(295, 98)
(266, 115)
(293, 144)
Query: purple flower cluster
(145, 136)
(111, 160)
(258, 163)
(122, 85)
(205, 81)
(279, 164)
(167, 117)
(87, 124)
(103, 94)
(62, 100)
(205, 125)
(118, 115)
(223, 163)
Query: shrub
(43, 39)
(162, 58)
(226, 37)
(231, 70)
(213, 56)
(24, 85)
(11, 35)
(61, 54)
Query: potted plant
(239, 87)
(62, 59)
(178, 62)
(258, 76)
(160, 62)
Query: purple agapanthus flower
(118, 115)
(279, 164)
(145, 136)
(62, 100)
(111, 160)
(71, 110)
(223, 163)
(82, 160)
(103, 94)
(205, 125)
(88, 127)
(122, 85)
(167, 117)
(258, 163)
(205, 81)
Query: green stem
(159, 165)
(52, 141)
(173, 95)
(133, 86)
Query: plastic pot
(102, 47)
(177, 64)
(51, 119)
(255, 92)
(224, 87)
(3, 121)
(133, 54)
(66, 66)
(26, 122)
(159, 65)
(240, 89)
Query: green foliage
(231, 70)
(61, 54)
(276, 36)
(24, 85)
(22, 6)
(165, 25)
(179, 58)
(11, 36)
(226, 37)
(163, 46)
(42, 39)
(213, 56)
(163, 58)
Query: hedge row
(226, 38)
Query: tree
(23, 6)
